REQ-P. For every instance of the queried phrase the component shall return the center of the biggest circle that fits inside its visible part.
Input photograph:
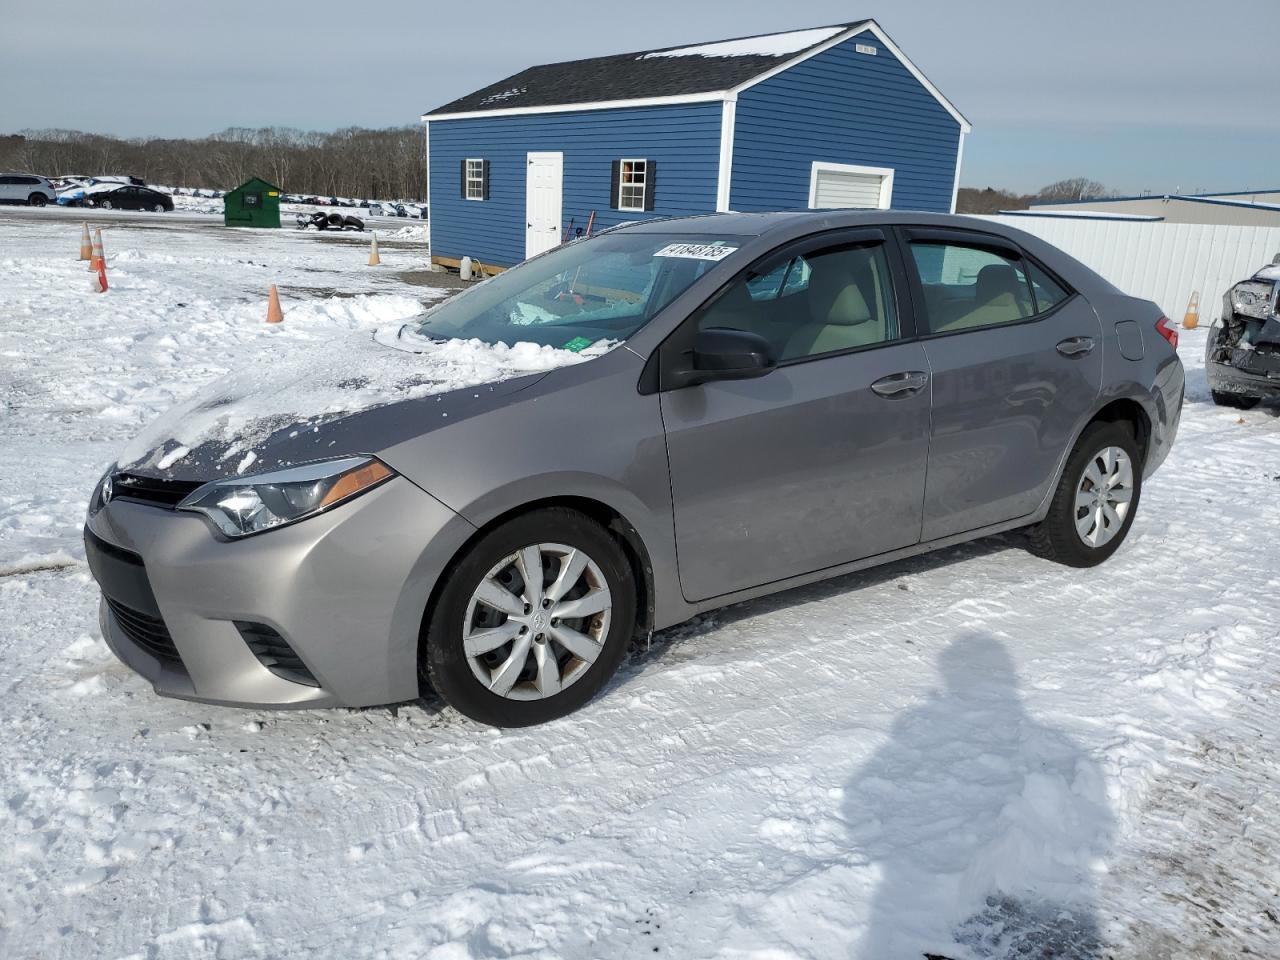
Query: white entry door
(833, 185)
(543, 202)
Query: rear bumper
(345, 590)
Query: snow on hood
(1269, 272)
(319, 385)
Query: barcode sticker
(696, 251)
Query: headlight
(1252, 298)
(101, 491)
(240, 506)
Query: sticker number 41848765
(696, 251)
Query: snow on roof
(677, 71)
(769, 45)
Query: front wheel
(1096, 499)
(1237, 401)
(532, 621)
(158, 208)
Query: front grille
(274, 653)
(153, 490)
(148, 632)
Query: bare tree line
(993, 199)
(353, 162)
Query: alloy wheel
(1103, 496)
(537, 621)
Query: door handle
(901, 384)
(1075, 346)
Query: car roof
(791, 221)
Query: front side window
(826, 301)
(969, 286)
(631, 187)
(475, 179)
(583, 293)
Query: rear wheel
(37, 200)
(1096, 499)
(1237, 401)
(158, 208)
(532, 621)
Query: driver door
(821, 461)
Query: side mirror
(721, 353)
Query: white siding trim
(885, 173)
(708, 97)
(874, 29)
(965, 126)
(426, 129)
(869, 27)
(955, 186)
(724, 183)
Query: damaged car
(1242, 354)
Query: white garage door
(843, 185)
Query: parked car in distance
(773, 399)
(26, 188)
(107, 197)
(1242, 352)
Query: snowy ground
(973, 754)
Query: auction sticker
(696, 251)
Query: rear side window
(1048, 292)
(967, 286)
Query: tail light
(1168, 331)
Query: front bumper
(346, 590)
(1260, 379)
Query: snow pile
(973, 754)
(307, 388)
(406, 233)
(770, 45)
(82, 373)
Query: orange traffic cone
(99, 281)
(1191, 319)
(86, 248)
(374, 259)
(96, 257)
(274, 314)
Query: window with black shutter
(475, 179)
(631, 185)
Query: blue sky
(1139, 94)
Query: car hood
(360, 394)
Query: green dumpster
(255, 203)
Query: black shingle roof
(630, 76)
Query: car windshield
(602, 289)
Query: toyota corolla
(494, 499)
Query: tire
(1057, 537)
(158, 208)
(105, 204)
(1237, 401)
(37, 200)
(444, 663)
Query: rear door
(822, 460)
(1016, 360)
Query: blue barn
(828, 117)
